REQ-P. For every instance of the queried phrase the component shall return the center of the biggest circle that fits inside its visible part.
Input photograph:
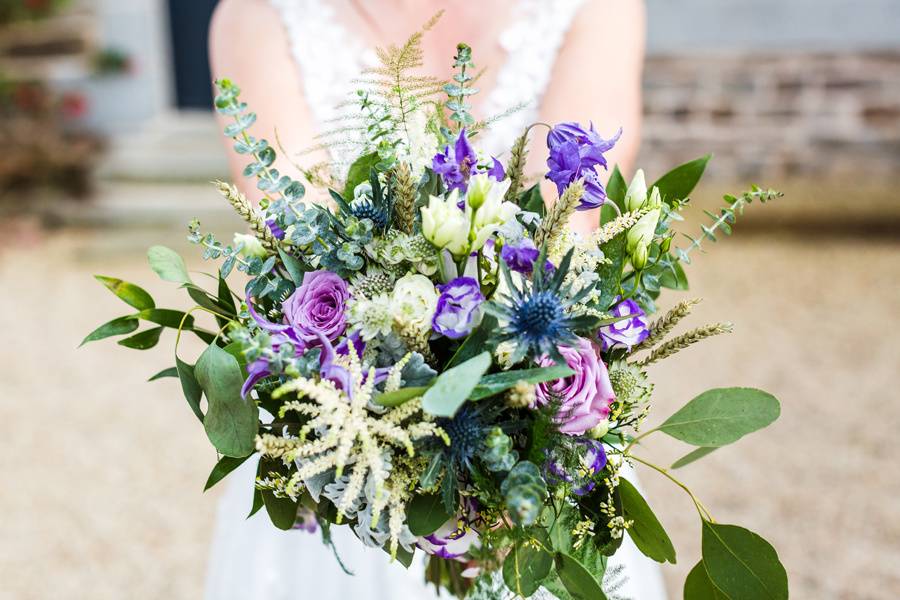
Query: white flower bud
(636, 195)
(251, 245)
(445, 226)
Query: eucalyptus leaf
(692, 456)
(127, 292)
(722, 416)
(697, 586)
(120, 326)
(399, 397)
(495, 383)
(168, 264)
(527, 566)
(678, 183)
(231, 421)
(425, 514)
(144, 340)
(578, 581)
(741, 564)
(226, 465)
(453, 386)
(646, 532)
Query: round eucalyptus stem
(637, 439)
(701, 509)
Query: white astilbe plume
(351, 433)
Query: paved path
(103, 473)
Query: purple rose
(456, 165)
(626, 333)
(458, 309)
(520, 256)
(585, 396)
(318, 306)
(575, 153)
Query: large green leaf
(168, 264)
(167, 317)
(399, 397)
(359, 172)
(453, 386)
(646, 532)
(615, 193)
(741, 564)
(144, 340)
(231, 421)
(697, 586)
(477, 342)
(527, 565)
(495, 383)
(127, 292)
(531, 200)
(295, 268)
(119, 326)
(678, 183)
(578, 581)
(189, 386)
(722, 416)
(610, 273)
(226, 465)
(692, 456)
(425, 514)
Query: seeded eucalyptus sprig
(461, 89)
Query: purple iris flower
(520, 256)
(575, 153)
(591, 461)
(626, 333)
(457, 165)
(458, 309)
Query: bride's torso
(331, 49)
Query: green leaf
(295, 268)
(477, 342)
(527, 566)
(231, 421)
(225, 297)
(359, 172)
(741, 564)
(144, 340)
(170, 372)
(189, 386)
(453, 386)
(425, 514)
(257, 502)
(127, 292)
(119, 326)
(226, 465)
(692, 456)
(610, 273)
(674, 278)
(282, 511)
(404, 556)
(578, 581)
(678, 183)
(167, 317)
(722, 416)
(168, 264)
(399, 397)
(531, 200)
(617, 187)
(697, 586)
(495, 383)
(646, 532)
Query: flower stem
(702, 510)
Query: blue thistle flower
(365, 209)
(538, 316)
(467, 431)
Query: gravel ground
(103, 473)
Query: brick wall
(785, 114)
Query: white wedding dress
(251, 559)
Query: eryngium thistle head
(374, 282)
(365, 209)
(467, 431)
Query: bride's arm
(598, 78)
(248, 45)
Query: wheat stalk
(246, 211)
(683, 341)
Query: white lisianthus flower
(486, 209)
(414, 301)
(636, 195)
(640, 236)
(251, 245)
(445, 226)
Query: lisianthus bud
(599, 431)
(479, 186)
(445, 225)
(489, 211)
(636, 195)
(655, 200)
(640, 236)
(249, 245)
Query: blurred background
(108, 142)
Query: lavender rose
(458, 309)
(626, 333)
(318, 305)
(585, 396)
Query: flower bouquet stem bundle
(431, 358)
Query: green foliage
(493, 384)
(399, 397)
(678, 183)
(282, 511)
(477, 342)
(693, 455)
(359, 172)
(189, 386)
(531, 200)
(165, 373)
(461, 89)
(615, 192)
(610, 273)
(528, 563)
(578, 581)
(226, 465)
(426, 514)
(697, 586)
(646, 531)
(524, 491)
(453, 386)
(127, 292)
(120, 326)
(722, 416)
(741, 564)
(168, 264)
(144, 340)
(231, 421)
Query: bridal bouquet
(432, 358)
